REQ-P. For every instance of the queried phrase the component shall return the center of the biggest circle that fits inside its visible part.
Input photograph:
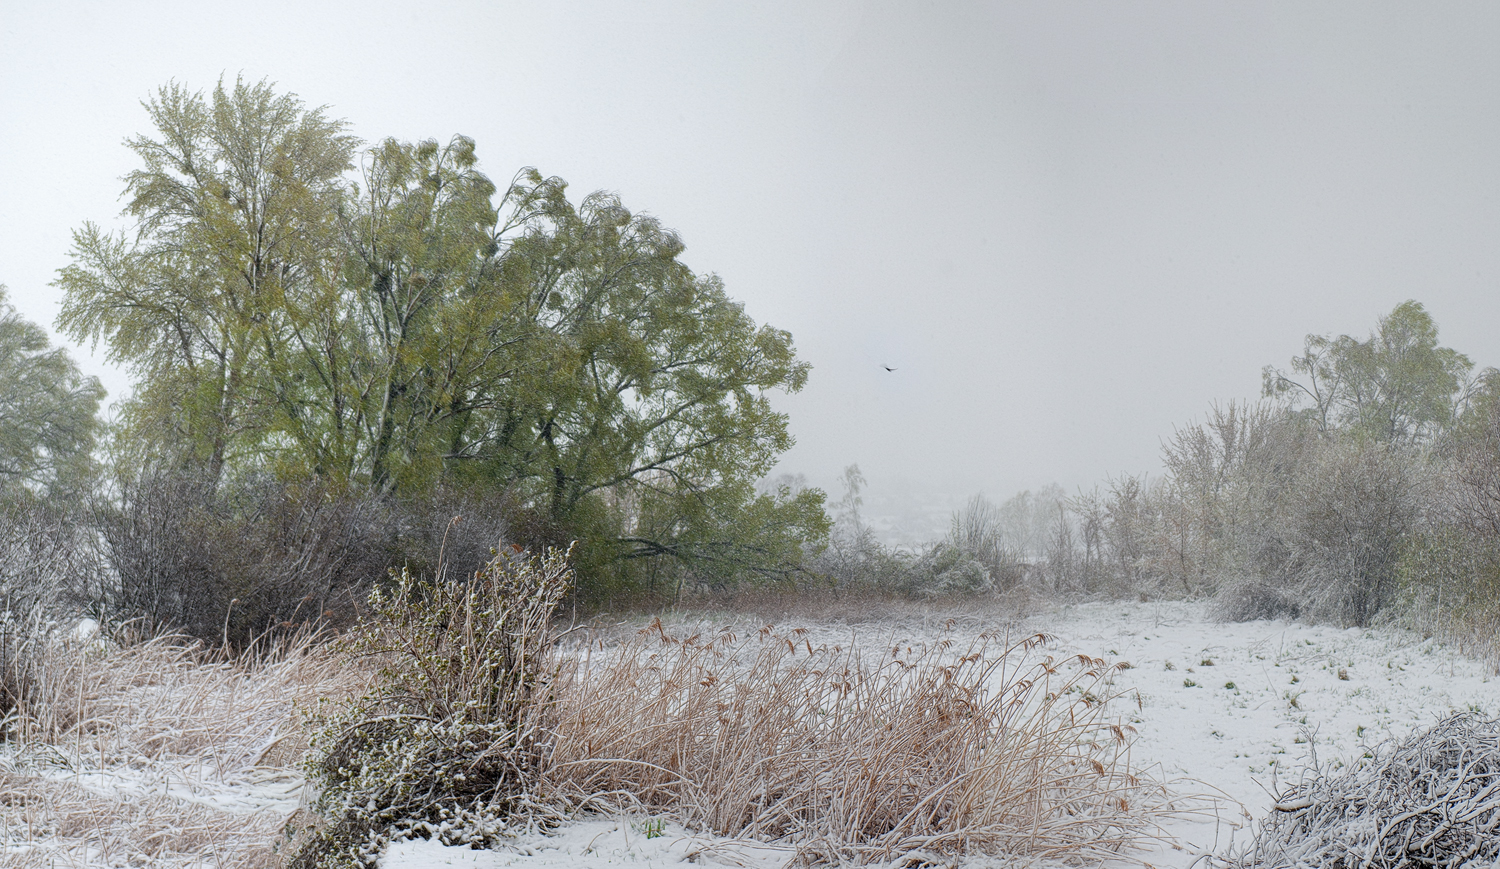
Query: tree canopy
(1397, 386)
(48, 413)
(389, 319)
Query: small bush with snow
(447, 743)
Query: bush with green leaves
(448, 742)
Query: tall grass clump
(933, 749)
(50, 568)
(177, 734)
(449, 740)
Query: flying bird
(887, 368)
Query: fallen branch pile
(1432, 800)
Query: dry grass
(860, 605)
(935, 749)
(156, 751)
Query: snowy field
(1231, 710)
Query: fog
(1066, 227)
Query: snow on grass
(157, 753)
(1224, 709)
(1235, 705)
(186, 762)
(1241, 707)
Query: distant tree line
(1365, 486)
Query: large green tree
(409, 324)
(383, 372)
(235, 208)
(48, 413)
(1397, 386)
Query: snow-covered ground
(1225, 710)
(1221, 709)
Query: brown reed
(937, 748)
(120, 748)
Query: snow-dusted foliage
(449, 740)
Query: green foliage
(1449, 569)
(421, 327)
(234, 207)
(391, 369)
(48, 414)
(448, 741)
(1397, 386)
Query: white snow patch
(587, 844)
(85, 630)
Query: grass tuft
(141, 750)
(933, 749)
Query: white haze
(1067, 226)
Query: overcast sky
(1068, 226)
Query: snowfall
(1226, 714)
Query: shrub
(1353, 512)
(229, 562)
(449, 740)
(1232, 478)
(978, 533)
(946, 570)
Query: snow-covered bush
(1355, 508)
(448, 741)
(948, 571)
